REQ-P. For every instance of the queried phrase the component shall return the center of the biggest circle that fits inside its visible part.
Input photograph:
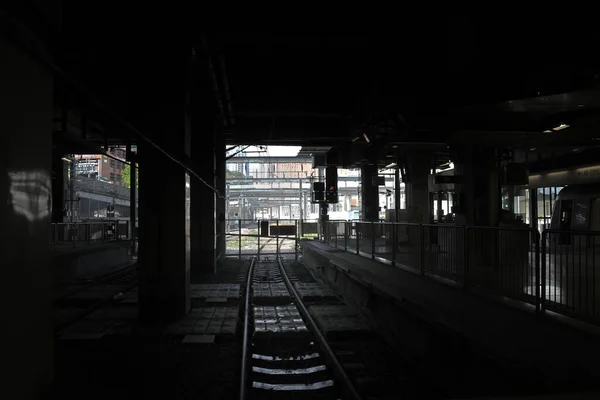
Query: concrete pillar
(59, 185)
(204, 200)
(417, 189)
(369, 193)
(533, 209)
(164, 214)
(220, 181)
(397, 195)
(479, 191)
(26, 111)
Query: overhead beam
(269, 160)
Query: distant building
(101, 167)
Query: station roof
(421, 85)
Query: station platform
(555, 350)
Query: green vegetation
(126, 176)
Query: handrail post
(277, 239)
(357, 238)
(258, 241)
(372, 240)
(239, 239)
(543, 274)
(394, 244)
(466, 258)
(422, 234)
(537, 270)
(296, 239)
(345, 235)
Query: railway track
(95, 294)
(284, 353)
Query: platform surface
(550, 342)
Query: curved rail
(243, 376)
(338, 370)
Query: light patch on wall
(30, 194)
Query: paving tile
(331, 310)
(215, 290)
(82, 336)
(201, 326)
(199, 339)
(312, 289)
(277, 319)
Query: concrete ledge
(72, 264)
(515, 338)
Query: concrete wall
(25, 210)
(72, 264)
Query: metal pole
(72, 191)
(394, 245)
(258, 241)
(356, 228)
(296, 242)
(397, 193)
(543, 273)
(537, 269)
(240, 238)
(301, 214)
(132, 199)
(422, 249)
(466, 257)
(277, 239)
(345, 236)
(372, 240)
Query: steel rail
(243, 375)
(338, 370)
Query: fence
(503, 261)
(84, 233)
(267, 237)
(569, 273)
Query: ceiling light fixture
(575, 149)
(355, 139)
(66, 159)
(561, 127)
(532, 149)
(366, 138)
(391, 165)
(395, 146)
(547, 131)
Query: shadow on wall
(30, 194)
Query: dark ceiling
(429, 80)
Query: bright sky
(272, 151)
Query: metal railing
(85, 233)
(571, 282)
(501, 261)
(256, 238)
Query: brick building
(101, 167)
